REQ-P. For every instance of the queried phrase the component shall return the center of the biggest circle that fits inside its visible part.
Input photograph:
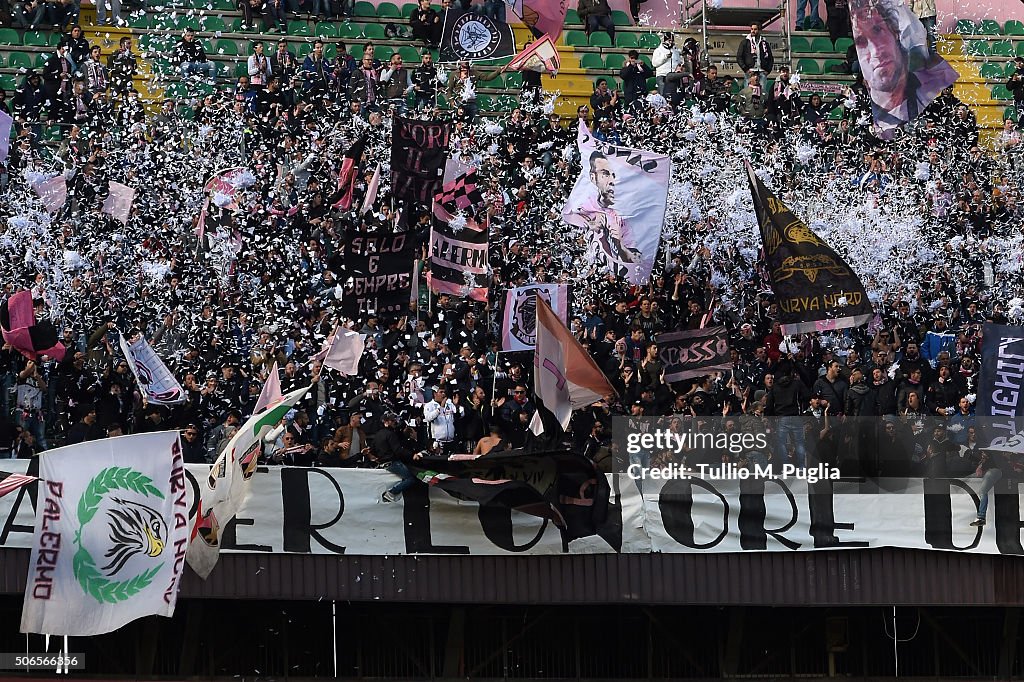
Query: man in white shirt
(440, 414)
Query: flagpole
(494, 384)
(334, 625)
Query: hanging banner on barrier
(338, 511)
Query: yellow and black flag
(814, 287)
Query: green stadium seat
(576, 39)
(965, 27)
(991, 70)
(1009, 112)
(514, 80)
(822, 45)
(616, 60)
(809, 67)
(138, 20)
(977, 48)
(646, 59)
(484, 103)
(299, 28)
(1011, 68)
(410, 55)
(373, 31)
(8, 36)
(843, 44)
(652, 84)
(326, 29)
(591, 61)
(36, 39)
(223, 5)
(388, 10)
(497, 83)
(572, 17)
(356, 51)
(626, 40)
(8, 83)
(208, 45)
(364, 9)
(1000, 92)
(52, 133)
(19, 60)
(800, 44)
(408, 9)
(41, 59)
(649, 40)
(383, 53)
(228, 48)
(348, 30)
(1013, 27)
(990, 27)
(600, 39)
(241, 69)
(832, 66)
(1019, 48)
(330, 50)
(213, 25)
(302, 50)
(442, 101)
(1002, 48)
(620, 18)
(184, 21)
(3, 61)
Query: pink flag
(345, 351)
(31, 339)
(5, 135)
(540, 55)
(271, 392)
(565, 376)
(53, 192)
(371, 192)
(119, 202)
(546, 16)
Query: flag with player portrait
(619, 202)
(902, 70)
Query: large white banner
(619, 201)
(110, 530)
(324, 511)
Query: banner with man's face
(902, 72)
(619, 201)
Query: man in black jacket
(191, 57)
(634, 75)
(395, 450)
(755, 56)
(426, 24)
(786, 399)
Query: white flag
(53, 192)
(224, 490)
(110, 537)
(345, 351)
(119, 202)
(371, 192)
(155, 380)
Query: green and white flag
(110, 537)
(223, 491)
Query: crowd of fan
(262, 284)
